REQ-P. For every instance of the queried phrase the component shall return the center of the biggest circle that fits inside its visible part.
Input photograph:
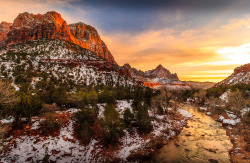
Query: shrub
(8, 95)
(74, 100)
(159, 110)
(28, 106)
(107, 96)
(128, 116)
(49, 108)
(90, 98)
(50, 124)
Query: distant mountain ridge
(27, 27)
(240, 75)
(158, 75)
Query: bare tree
(201, 96)
(8, 95)
(236, 101)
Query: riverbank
(202, 140)
(166, 130)
(237, 131)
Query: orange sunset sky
(199, 40)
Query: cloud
(186, 51)
(166, 4)
(184, 36)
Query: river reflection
(203, 140)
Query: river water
(203, 140)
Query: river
(202, 140)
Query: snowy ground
(66, 148)
(7, 120)
(62, 148)
(184, 113)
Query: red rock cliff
(27, 27)
(243, 68)
(4, 29)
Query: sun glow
(236, 55)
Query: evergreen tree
(84, 120)
(128, 116)
(143, 120)
(148, 96)
(112, 124)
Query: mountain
(158, 75)
(240, 75)
(42, 48)
(27, 27)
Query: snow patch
(184, 113)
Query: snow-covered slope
(59, 61)
(241, 75)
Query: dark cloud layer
(138, 15)
(151, 4)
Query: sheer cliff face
(88, 37)
(27, 27)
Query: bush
(49, 108)
(8, 95)
(90, 98)
(28, 106)
(128, 116)
(74, 100)
(112, 124)
(50, 124)
(107, 96)
(248, 118)
(159, 110)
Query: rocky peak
(83, 31)
(23, 19)
(54, 17)
(159, 67)
(158, 72)
(127, 66)
(5, 25)
(4, 29)
(243, 69)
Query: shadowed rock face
(27, 27)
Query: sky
(200, 40)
